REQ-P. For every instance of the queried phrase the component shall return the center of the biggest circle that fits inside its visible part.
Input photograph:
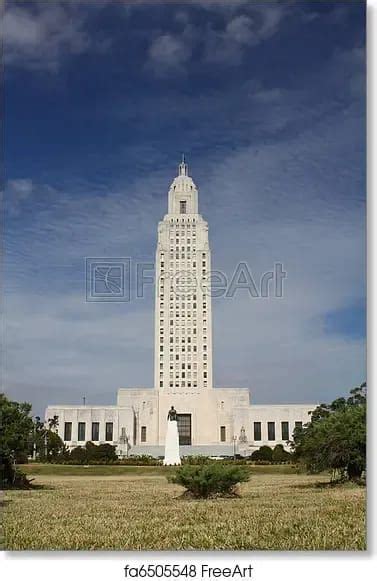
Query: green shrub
(79, 455)
(264, 453)
(100, 452)
(210, 479)
(197, 460)
(280, 455)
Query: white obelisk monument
(172, 457)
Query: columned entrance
(184, 429)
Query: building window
(298, 424)
(182, 207)
(95, 431)
(109, 432)
(285, 430)
(81, 432)
(257, 431)
(68, 431)
(271, 430)
(143, 435)
(222, 434)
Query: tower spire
(182, 168)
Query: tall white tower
(183, 316)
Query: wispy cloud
(244, 30)
(243, 26)
(169, 53)
(41, 35)
(18, 191)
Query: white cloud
(240, 29)
(168, 53)
(17, 191)
(255, 25)
(41, 35)
(243, 25)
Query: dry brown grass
(275, 512)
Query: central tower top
(183, 194)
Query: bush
(100, 452)
(197, 460)
(210, 479)
(264, 453)
(280, 455)
(79, 455)
(139, 460)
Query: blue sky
(267, 100)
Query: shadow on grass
(4, 502)
(28, 489)
(43, 487)
(190, 497)
(327, 485)
(315, 485)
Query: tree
(53, 423)
(47, 442)
(335, 438)
(16, 428)
(55, 446)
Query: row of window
(271, 431)
(82, 432)
(182, 221)
(181, 350)
(180, 326)
(180, 246)
(176, 263)
(81, 429)
(179, 335)
(194, 348)
(183, 384)
(183, 307)
(176, 223)
(183, 374)
(183, 356)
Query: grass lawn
(136, 508)
(117, 470)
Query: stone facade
(215, 421)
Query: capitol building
(211, 420)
